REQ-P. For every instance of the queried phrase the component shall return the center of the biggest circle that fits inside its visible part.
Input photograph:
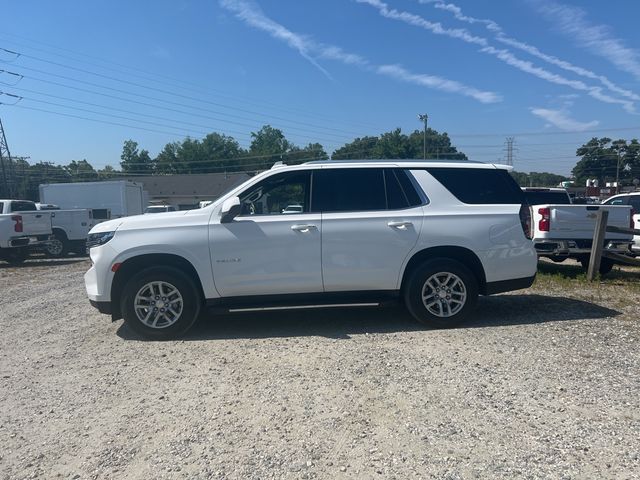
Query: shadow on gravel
(573, 271)
(340, 323)
(45, 262)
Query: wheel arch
(135, 264)
(463, 255)
(60, 230)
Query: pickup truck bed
(21, 226)
(566, 231)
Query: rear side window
(348, 190)
(23, 206)
(479, 185)
(362, 189)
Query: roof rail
(279, 164)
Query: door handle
(403, 224)
(302, 228)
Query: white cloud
(418, 21)
(431, 81)
(500, 36)
(562, 120)
(598, 39)
(502, 54)
(251, 14)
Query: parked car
(292, 209)
(561, 230)
(632, 199)
(70, 229)
(160, 209)
(21, 226)
(433, 234)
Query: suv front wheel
(441, 293)
(160, 303)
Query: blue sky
(550, 73)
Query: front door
(273, 246)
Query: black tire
(58, 246)
(191, 302)
(606, 265)
(413, 293)
(15, 256)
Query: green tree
(81, 171)
(107, 172)
(395, 144)
(538, 179)
(603, 157)
(268, 146)
(135, 160)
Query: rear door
(370, 222)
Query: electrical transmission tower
(6, 165)
(509, 148)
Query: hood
(108, 226)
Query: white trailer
(112, 199)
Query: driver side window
(280, 194)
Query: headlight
(97, 239)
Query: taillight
(545, 221)
(525, 220)
(18, 227)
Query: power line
(169, 102)
(154, 77)
(163, 91)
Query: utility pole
(618, 171)
(5, 162)
(423, 118)
(510, 141)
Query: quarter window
(479, 185)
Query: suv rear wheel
(160, 303)
(441, 293)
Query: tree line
(601, 158)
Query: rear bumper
(568, 248)
(28, 240)
(508, 285)
(103, 307)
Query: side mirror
(230, 209)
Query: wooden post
(598, 244)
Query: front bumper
(103, 307)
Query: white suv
(633, 199)
(435, 234)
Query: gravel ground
(538, 385)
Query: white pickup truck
(21, 226)
(70, 230)
(561, 230)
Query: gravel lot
(537, 386)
